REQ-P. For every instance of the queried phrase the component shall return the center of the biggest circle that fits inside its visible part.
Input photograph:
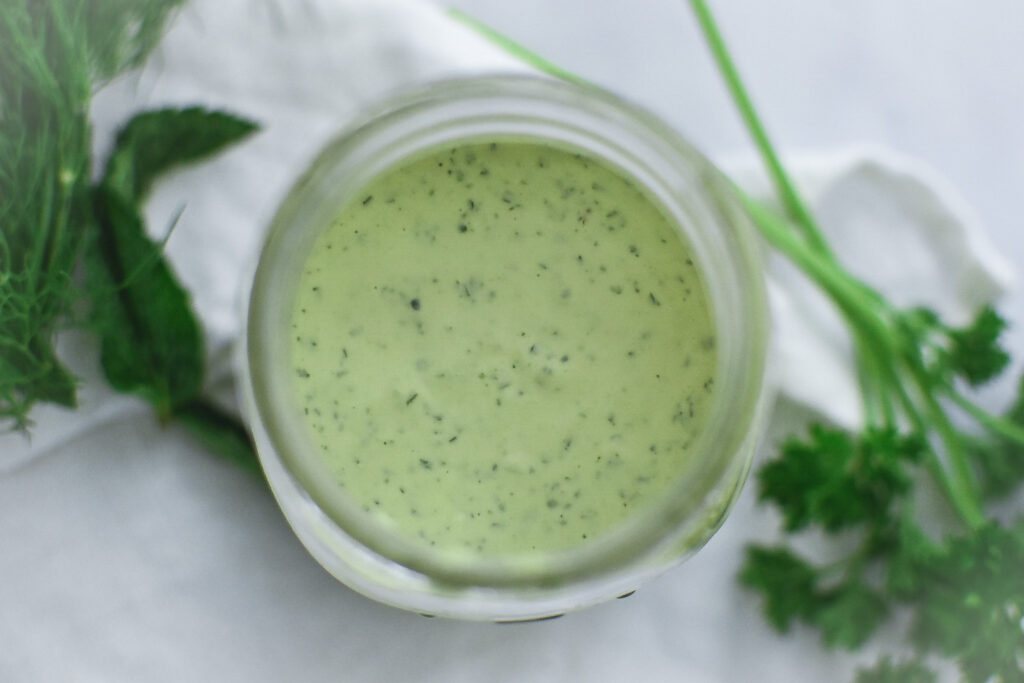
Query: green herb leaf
(151, 342)
(971, 603)
(45, 88)
(50, 55)
(887, 671)
(908, 553)
(998, 461)
(121, 33)
(850, 613)
(157, 141)
(787, 584)
(836, 480)
(219, 432)
(792, 589)
(41, 375)
(151, 339)
(975, 353)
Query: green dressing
(502, 348)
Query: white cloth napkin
(131, 555)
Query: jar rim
(529, 106)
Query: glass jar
(356, 547)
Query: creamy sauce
(502, 348)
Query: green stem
(966, 506)
(932, 461)
(961, 486)
(875, 379)
(867, 379)
(844, 289)
(513, 48)
(862, 310)
(791, 201)
(999, 425)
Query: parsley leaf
(850, 613)
(786, 582)
(975, 353)
(793, 589)
(970, 603)
(887, 671)
(999, 462)
(836, 480)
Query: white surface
(131, 555)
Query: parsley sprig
(963, 585)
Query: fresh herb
(52, 55)
(886, 671)
(962, 587)
(158, 141)
(54, 218)
(151, 340)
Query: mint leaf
(151, 344)
(219, 432)
(157, 141)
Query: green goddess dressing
(502, 348)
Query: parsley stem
(871, 319)
(967, 507)
(867, 378)
(876, 379)
(851, 296)
(961, 487)
(791, 201)
(998, 425)
(515, 49)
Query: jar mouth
(699, 203)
